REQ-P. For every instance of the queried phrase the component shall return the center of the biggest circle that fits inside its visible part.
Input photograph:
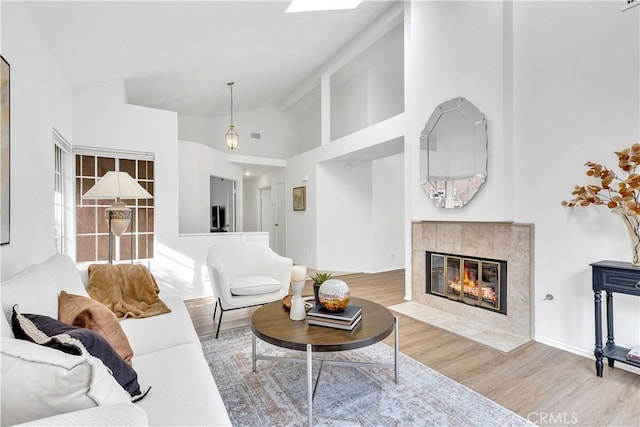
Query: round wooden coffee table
(271, 323)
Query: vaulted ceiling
(179, 55)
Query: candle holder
(297, 311)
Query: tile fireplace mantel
(512, 242)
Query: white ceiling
(179, 55)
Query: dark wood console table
(612, 276)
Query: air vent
(255, 135)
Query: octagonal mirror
(453, 153)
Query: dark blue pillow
(50, 332)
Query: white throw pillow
(40, 382)
(33, 290)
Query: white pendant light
(231, 137)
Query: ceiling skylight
(318, 5)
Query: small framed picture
(299, 198)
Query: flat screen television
(217, 218)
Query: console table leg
(598, 367)
(598, 353)
(310, 384)
(610, 339)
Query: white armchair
(246, 274)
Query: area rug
(275, 395)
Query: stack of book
(347, 319)
(634, 354)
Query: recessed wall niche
(370, 88)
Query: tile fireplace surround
(507, 241)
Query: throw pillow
(84, 312)
(39, 382)
(49, 332)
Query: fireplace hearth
(478, 282)
(486, 241)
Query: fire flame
(469, 285)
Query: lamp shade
(117, 185)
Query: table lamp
(117, 185)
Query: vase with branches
(619, 192)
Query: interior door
(267, 216)
(281, 219)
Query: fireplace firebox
(475, 281)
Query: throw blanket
(129, 290)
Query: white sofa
(167, 356)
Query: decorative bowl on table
(308, 302)
(334, 295)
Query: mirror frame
(454, 191)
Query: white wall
(252, 186)
(197, 163)
(349, 104)
(361, 215)
(344, 215)
(41, 100)
(387, 221)
(251, 204)
(456, 49)
(576, 100)
(386, 80)
(559, 83)
(200, 129)
(307, 115)
(279, 132)
(369, 88)
(302, 227)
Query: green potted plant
(319, 278)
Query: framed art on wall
(299, 198)
(5, 145)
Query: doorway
(281, 220)
(267, 216)
(273, 217)
(222, 201)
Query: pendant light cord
(230, 84)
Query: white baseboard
(581, 352)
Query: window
(92, 234)
(61, 149)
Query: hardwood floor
(544, 384)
